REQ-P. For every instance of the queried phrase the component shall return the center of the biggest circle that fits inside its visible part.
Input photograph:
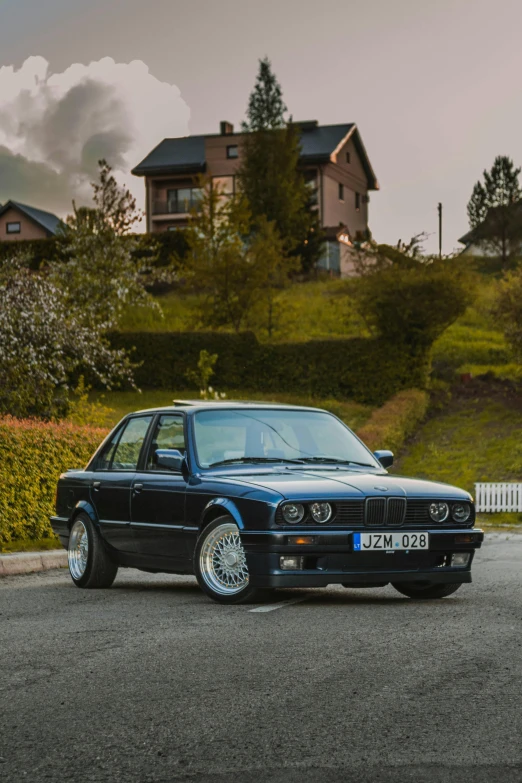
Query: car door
(158, 496)
(112, 480)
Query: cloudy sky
(433, 86)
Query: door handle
(137, 488)
(96, 485)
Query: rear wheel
(426, 591)
(90, 565)
(220, 564)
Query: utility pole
(439, 210)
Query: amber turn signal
(301, 539)
(465, 539)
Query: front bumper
(332, 560)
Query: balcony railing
(174, 207)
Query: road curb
(29, 562)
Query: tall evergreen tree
(266, 108)
(501, 188)
(494, 212)
(269, 177)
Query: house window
(232, 151)
(183, 200)
(341, 191)
(348, 157)
(357, 201)
(13, 228)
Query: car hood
(338, 484)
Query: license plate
(372, 542)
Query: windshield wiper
(338, 461)
(254, 460)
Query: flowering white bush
(44, 342)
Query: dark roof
(494, 216)
(184, 154)
(318, 143)
(46, 220)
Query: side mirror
(385, 457)
(171, 459)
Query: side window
(127, 451)
(169, 434)
(104, 460)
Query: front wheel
(220, 564)
(90, 565)
(426, 591)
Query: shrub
(389, 426)
(32, 456)
(365, 370)
(36, 251)
(412, 302)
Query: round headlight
(439, 512)
(293, 513)
(321, 512)
(461, 512)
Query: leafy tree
(269, 177)
(411, 301)
(115, 205)
(492, 216)
(100, 277)
(508, 310)
(273, 267)
(44, 343)
(104, 272)
(238, 269)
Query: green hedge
(367, 371)
(32, 456)
(37, 250)
(165, 247)
(389, 426)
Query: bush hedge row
(365, 370)
(165, 247)
(32, 456)
(389, 426)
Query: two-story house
(333, 160)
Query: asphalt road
(150, 681)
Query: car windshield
(271, 436)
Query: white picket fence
(498, 497)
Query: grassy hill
(324, 310)
(473, 437)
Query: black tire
(426, 592)
(207, 578)
(100, 570)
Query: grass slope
(319, 309)
(476, 437)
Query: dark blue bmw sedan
(251, 497)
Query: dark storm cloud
(34, 183)
(89, 122)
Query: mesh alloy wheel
(78, 551)
(222, 560)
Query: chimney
(226, 128)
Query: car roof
(193, 406)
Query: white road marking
(273, 607)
